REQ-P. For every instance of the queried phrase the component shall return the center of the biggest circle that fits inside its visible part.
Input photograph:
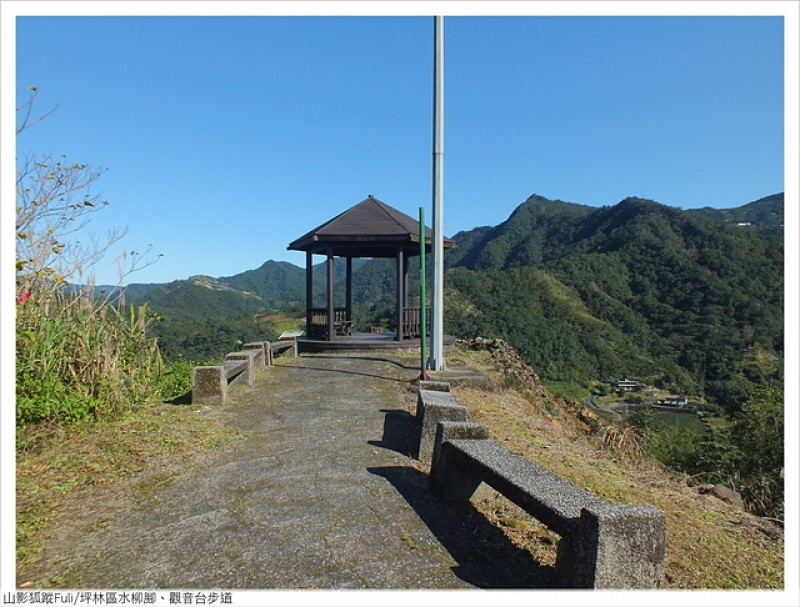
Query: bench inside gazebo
(370, 229)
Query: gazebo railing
(412, 322)
(319, 323)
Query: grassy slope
(710, 544)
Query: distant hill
(201, 297)
(764, 215)
(538, 230)
(275, 282)
(133, 292)
(279, 283)
(201, 319)
(637, 288)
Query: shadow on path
(400, 432)
(183, 399)
(343, 371)
(486, 557)
(366, 358)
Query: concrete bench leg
(448, 481)
(614, 547)
(433, 414)
(210, 385)
(258, 346)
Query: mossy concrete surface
(320, 493)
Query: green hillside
(547, 320)
(638, 288)
(275, 282)
(202, 320)
(538, 230)
(764, 215)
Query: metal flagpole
(437, 253)
(423, 312)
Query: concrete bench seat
(232, 368)
(602, 545)
(283, 346)
(436, 386)
(546, 496)
(264, 357)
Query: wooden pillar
(406, 263)
(330, 294)
(400, 295)
(349, 289)
(309, 289)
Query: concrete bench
(602, 545)
(434, 406)
(270, 350)
(264, 352)
(211, 382)
(285, 345)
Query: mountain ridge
(288, 278)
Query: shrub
(176, 379)
(79, 357)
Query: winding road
(589, 402)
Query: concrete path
(321, 493)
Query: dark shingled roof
(369, 229)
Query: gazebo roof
(369, 229)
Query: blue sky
(227, 137)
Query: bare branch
(27, 122)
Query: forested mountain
(201, 319)
(764, 215)
(637, 288)
(133, 292)
(538, 230)
(275, 282)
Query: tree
(76, 356)
(757, 434)
(54, 200)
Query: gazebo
(369, 229)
